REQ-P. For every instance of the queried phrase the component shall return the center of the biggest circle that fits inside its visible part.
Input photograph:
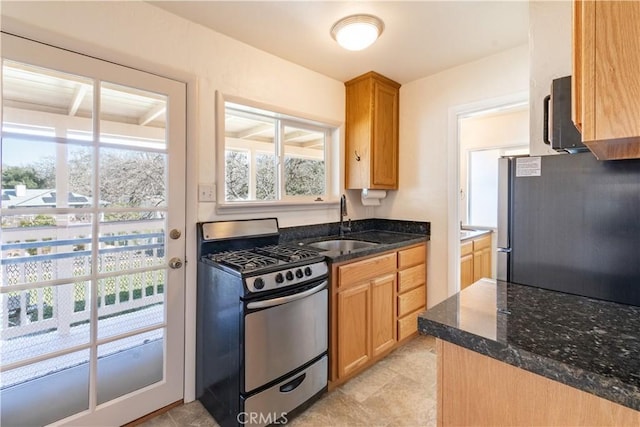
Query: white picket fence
(33, 310)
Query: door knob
(175, 234)
(175, 263)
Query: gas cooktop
(263, 257)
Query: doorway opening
(485, 132)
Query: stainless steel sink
(342, 245)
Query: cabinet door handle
(357, 156)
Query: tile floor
(400, 390)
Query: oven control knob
(299, 273)
(289, 275)
(307, 271)
(258, 283)
(279, 278)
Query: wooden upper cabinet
(606, 66)
(371, 149)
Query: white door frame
(456, 113)
(139, 402)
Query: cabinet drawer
(466, 248)
(482, 242)
(411, 301)
(411, 256)
(411, 278)
(408, 324)
(359, 271)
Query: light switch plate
(206, 192)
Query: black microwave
(559, 130)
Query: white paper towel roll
(372, 197)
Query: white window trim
(331, 198)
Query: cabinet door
(466, 264)
(466, 271)
(482, 258)
(384, 150)
(353, 328)
(383, 315)
(358, 133)
(608, 89)
(616, 90)
(576, 78)
(481, 264)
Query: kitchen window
(273, 158)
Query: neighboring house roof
(35, 198)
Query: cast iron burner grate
(243, 260)
(287, 253)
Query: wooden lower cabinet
(375, 305)
(474, 389)
(475, 260)
(383, 314)
(407, 324)
(354, 335)
(412, 289)
(367, 322)
(482, 257)
(366, 312)
(466, 264)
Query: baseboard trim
(154, 413)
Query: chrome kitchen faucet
(343, 213)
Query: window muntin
(271, 157)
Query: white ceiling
(420, 37)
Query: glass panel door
(91, 316)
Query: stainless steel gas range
(262, 323)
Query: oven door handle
(288, 298)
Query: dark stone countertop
(588, 344)
(389, 234)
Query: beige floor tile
(404, 400)
(400, 390)
(368, 382)
(193, 414)
(423, 417)
(162, 420)
(418, 367)
(420, 343)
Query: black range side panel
(218, 344)
(576, 228)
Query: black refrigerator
(571, 223)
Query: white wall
(425, 148)
(143, 36)
(550, 56)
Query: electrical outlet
(206, 192)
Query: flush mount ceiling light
(357, 32)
